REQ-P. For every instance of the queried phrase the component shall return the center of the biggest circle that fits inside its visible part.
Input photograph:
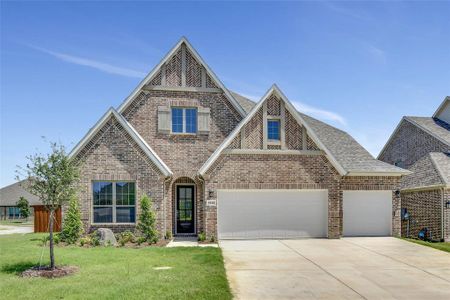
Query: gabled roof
(434, 127)
(166, 58)
(131, 131)
(9, 195)
(344, 153)
(442, 106)
(344, 148)
(431, 171)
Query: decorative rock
(106, 237)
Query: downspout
(200, 178)
(166, 179)
(442, 213)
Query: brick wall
(112, 155)
(182, 153)
(446, 215)
(409, 144)
(424, 208)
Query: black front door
(185, 209)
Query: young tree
(72, 226)
(24, 207)
(52, 178)
(147, 220)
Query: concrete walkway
(349, 268)
(7, 229)
(188, 242)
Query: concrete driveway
(349, 268)
(6, 229)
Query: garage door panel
(367, 213)
(272, 214)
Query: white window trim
(183, 123)
(271, 141)
(113, 205)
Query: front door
(185, 209)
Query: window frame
(113, 203)
(184, 120)
(274, 141)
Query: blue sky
(358, 66)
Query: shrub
(24, 207)
(85, 241)
(213, 239)
(72, 225)
(140, 240)
(94, 238)
(168, 235)
(147, 221)
(201, 237)
(125, 237)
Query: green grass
(113, 273)
(17, 222)
(444, 246)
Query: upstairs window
(273, 130)
(184, 120)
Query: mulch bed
(46, 272)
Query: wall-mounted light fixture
(210, 193)
(397, 193)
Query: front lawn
(444, 246)
(113, 273)
(17, 222)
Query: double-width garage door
(252, 214)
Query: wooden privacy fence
(42, 218)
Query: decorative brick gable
(112, 155)
(409, 144)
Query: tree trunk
(52, 254)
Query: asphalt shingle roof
(9, 195)
(344, 148)
(436, 127)
(432, 169)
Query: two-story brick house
(216, 162)
(422, 145)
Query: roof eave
(378, 173)
(165, 170)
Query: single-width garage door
(253, 214)
(367, 213)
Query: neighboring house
(422, 144)
(9, 195)
(216, 162)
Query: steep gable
(294, 136)
(182, 69)
(113, 123)
(250, 134)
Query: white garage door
(367, 213)
(253, 214)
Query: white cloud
(104, 67)
(320, 113)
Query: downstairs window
(114, 202)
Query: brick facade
(113, 155)
(409, 144)
(425, 209)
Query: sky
(359, 66)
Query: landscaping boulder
(106, 237)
